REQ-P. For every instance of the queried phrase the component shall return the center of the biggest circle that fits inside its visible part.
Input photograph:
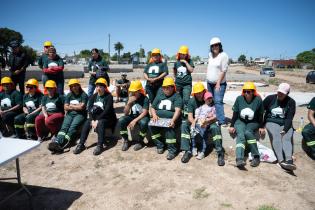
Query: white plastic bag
(266, 154)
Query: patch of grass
(267, 207)
(200, 193)
(274, 81)
(226, 205)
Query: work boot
(160, 151)
(221, 161)
(240, 163)
(186, 157)
(255, 162)
(55, 147)
(98, 150)
(79, 149)
(194, 151)
(170, 156)
(138, 146)
(288, 165)
(125, 145)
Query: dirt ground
(146, 180)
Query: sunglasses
(30, 87)
(247, 91)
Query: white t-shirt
(217, 65)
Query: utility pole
(108, 48)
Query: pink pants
(51, 124)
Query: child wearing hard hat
(183, 68)
(154, 73)
(101, 116)
(136, 112)
(10, 106)
(168, 105)
(75, 107)
(51, 117)
(247, 119)
(31, 108)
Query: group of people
(178, 115)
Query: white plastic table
(10, 149)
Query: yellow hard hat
(198, 87)
(47, 44)
(135, 86)
(6, 80)
(249, 86)
(32, 82)
(101, 81)
(183, 50)
(156, 51)
(168, 81)
(73, 81)
(50, 84)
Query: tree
(148, 56)
(307, 57)
(242, 59)
(6, 37)
(31, 54)
(114, 57)
(85, 54)
(118, 47)
(141, 53)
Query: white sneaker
(200, 156)
(194, 152)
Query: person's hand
(172, 124)
(232, 130)
(155, 118)
(16, 72)
(217, 87)
(183, 61)
(1, 112)
(92, 73)
(94, 124)
(262, 131)
(45, 116)
(132, 124)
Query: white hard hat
(214, 40)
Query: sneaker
(98, 150)
(200, 156)
(288, 165)
(186, 157)
(125, 145)
(221, 161)
(39, 139)
(240, 163)
(78, 149)
(255, 162)
(160, 151)
(55, 147)
(194, 152)
(54, 138)
(170, 156)
(138, 146)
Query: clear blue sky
(254, 28)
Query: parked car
(268, 71)
(310, 77)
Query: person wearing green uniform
(53, 70)
(247, 118)
(31, 108)
(154, 73)
(75, 107)
(182, 70)
(135, 112)
(44, 57)
(308, 131)
(195, 102)
(167, 105)
(10, 106)
(97, 68)
(101, 116)
(51, 117)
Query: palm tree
(118, 47)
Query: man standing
(122, 86)
(44, 56)
(18, 63)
